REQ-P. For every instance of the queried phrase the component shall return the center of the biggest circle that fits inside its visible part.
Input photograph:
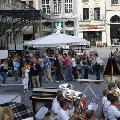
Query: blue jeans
(97, 72)
(16, 75)
(82, 73)
(85, 73)
(4, 77)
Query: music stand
(88, 82)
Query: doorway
(92, 36)
(92, 40)
(115, 30)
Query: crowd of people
(66, 67)
(62, 108)
(34, 68)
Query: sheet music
(41, 113)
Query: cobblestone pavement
(97, 88)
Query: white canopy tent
(56, 39)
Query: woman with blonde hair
(6, 113)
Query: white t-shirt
(73, 62)
(63, 115)
(104, 100)
(99, 61)
(55, 106)
(106, 105)
(113, 113)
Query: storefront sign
(92, 27)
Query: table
(42, 95)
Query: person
(47, 68)
(25, 79)
(111, 87)
(118, 87)
(67, 61)
(104, 99)
(118, 84)
(6, 113)
(56, 102)
(10, 66)
(97, 65)
(82, 67)
(105, 103)
(58, 72)
(16, 66)
(90, 115)
(34, 73)
(3, 72)
(91, 59)
(113, 112)
(61, 50)
(74, 68)
(87, 65)
(63, 112)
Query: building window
(96, 13)
(115, 19)
(96, 1)
(69, 23)
(85, 0)
(27, 37)
(46, 6)
(31, 3)
(23, 4)
(85, 13)
(68, 6)
(69, 32)
(46, 25)
(114, 1)
(57, 6)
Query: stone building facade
(113, 22)
(97, 21)
(91, 21)
(62, 12)
(10, 4)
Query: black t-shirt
(35, 70)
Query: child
(25, 80)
